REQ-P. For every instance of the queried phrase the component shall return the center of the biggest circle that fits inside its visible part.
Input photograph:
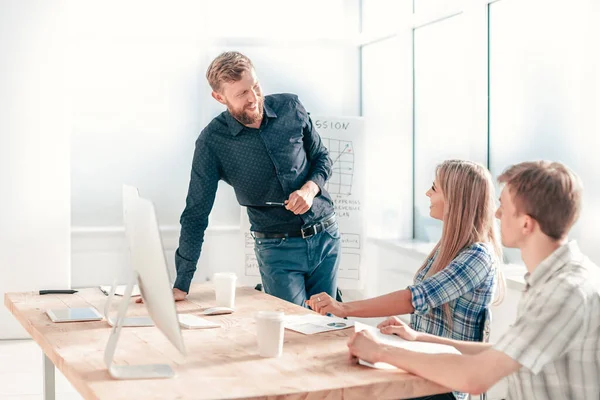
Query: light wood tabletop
(221, 363)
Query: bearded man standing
(267, 149)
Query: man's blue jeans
(294, 269)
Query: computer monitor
(150, 269)
(149, 262)
(129, 194)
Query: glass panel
(387, 108)
(444, 118)
(544, 90)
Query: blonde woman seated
(455, 285)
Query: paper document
(120, 290)
(396, 341)
(309, 324)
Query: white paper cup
(225, 289)
(269, 333)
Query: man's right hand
(178, 295)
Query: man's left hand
(301, 200)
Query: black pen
(59, 291)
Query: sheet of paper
(120, 290)
(310, 323)
(396, 341)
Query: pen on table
(60, 291)
(274, 203)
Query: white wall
(100, 256)
(34, 152)
(140, 100)
(128, 80)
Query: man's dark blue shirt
(263, 165)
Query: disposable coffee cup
(225, 289)
(269, 333)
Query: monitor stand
(128, 321)
(148, 371)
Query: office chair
(485, 322)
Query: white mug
(269, 333)
(225, 289)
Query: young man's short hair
(227, 67)
(547, 191)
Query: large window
(544, 88)
(497, 82)
(443, 115)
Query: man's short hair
(227, 67)
(547, 191)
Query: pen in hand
(274, 203)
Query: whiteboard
(250, 275)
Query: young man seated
(552, 351)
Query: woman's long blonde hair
(469, 217)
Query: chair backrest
(485, 323)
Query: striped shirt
(556, 337)
(467, 284)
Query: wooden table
(221, 363)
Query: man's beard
(244, 117)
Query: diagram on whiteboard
(344, 138)
(350, 267)
(342, 155)
(251, 265)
